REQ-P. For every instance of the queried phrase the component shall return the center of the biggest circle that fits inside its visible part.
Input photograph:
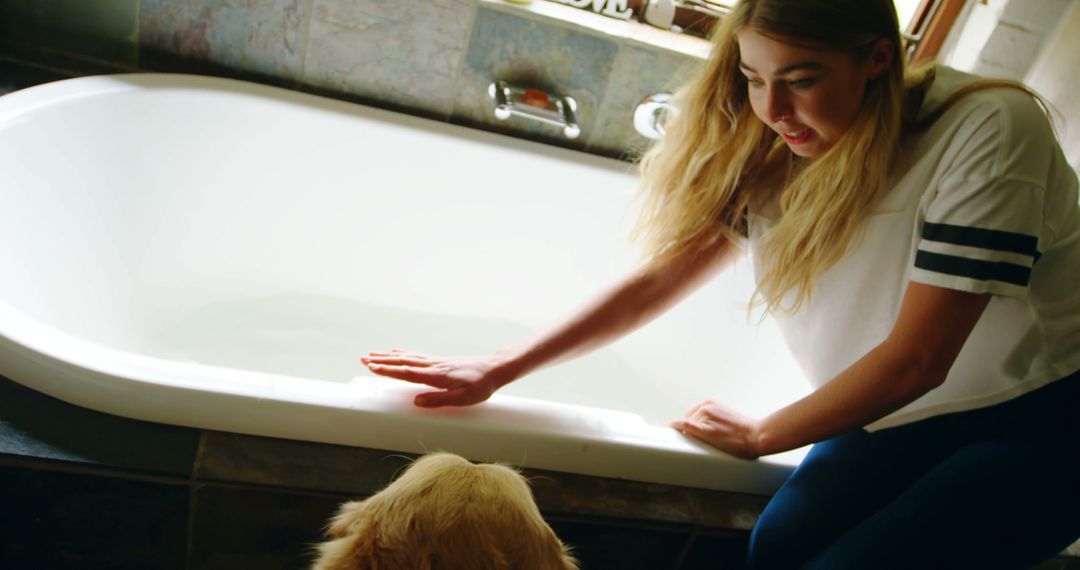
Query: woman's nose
(777, 106)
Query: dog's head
(445, 513)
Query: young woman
(917, 235)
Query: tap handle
(649, 115)
(536, 105)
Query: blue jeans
(997, 487)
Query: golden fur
(445, 513)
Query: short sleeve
(981, 228)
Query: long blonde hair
(717, 159)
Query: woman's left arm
(933, 324)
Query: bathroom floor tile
(62, 520)
(242, 528)
(38, 426)
(297, 464)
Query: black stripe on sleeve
(973, 268)
(979, 237)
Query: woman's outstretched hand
(722, 428)
(462, 380)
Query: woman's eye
(754, 82)
(801, 83)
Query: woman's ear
(881, 59)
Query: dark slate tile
(716, 551)
(602, 547)
(102, 29)
(558, 60)
(296, 464)
(617, 498)
(60, 520)
(242, 528)
(38, 426)
(727, 511)
(14, 76)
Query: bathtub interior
(241, 226)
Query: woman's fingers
(410, 360)
(687, 427)
(419, 375)
(693, 411)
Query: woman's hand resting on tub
(722, 428)
(462, 380)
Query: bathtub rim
(147, 388)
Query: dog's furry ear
(345, 521)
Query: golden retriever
(445, 513)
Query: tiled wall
(84, 490)
(81, 489)
(433, 58)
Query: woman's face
(810, 97)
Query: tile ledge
(632, 31)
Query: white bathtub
(218, 254)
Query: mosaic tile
(260, 37)
(63, 520)
(637, 73)
(37, 426)
(296, 464)
(243, 528)
(101, 29)
(560, 61)
(403, 53)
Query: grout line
(605, 92)
(193, 486)
(300, 80)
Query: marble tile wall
(407, 53)
(264, 37)
(433, 58)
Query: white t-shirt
(983, 201)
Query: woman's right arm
(631, 303)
